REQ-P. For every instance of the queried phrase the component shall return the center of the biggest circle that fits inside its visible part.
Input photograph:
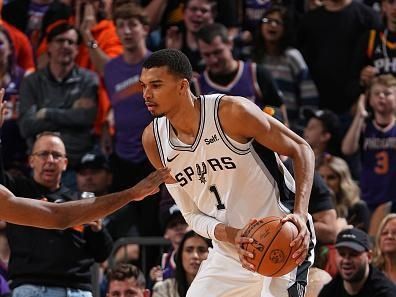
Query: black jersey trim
(225, 139)
(268, 158)
(158, 141)
(193, 147)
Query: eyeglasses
(43, 155)
(272, 22)
(63, 40)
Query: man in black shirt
(356, 276)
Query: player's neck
(185, 120)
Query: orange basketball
(271, 246)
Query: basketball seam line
(272, 240)
(284, 264)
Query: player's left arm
(272, 134)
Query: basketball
(271, 246)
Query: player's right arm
(38, 213)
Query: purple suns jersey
(378, 177)
(130, 113)
(244, 84)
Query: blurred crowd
(75, 117)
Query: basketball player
(220, 150)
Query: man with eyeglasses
(48, 263)
(61, 97)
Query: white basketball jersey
(227, 180)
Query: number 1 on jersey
(213, 190)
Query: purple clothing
(4, 288)
(244, 84)
(131, 115)
(13, 145)
(378, 177)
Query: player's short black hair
(177, 62)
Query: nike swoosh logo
(171, 159)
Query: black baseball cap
(93, 161)
(354, 239)
(329, 119)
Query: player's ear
(184, 86)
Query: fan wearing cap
(322, 132)
(93, 174)
(175, 227)
(356, 276)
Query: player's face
(161, 90)
(131, 32)
(63, 49)
(125, 288)
(94, 180)
(272, 27)
(314, 133)
(352, 265)
(383, 99)
(197, 14)
(331, 178)
(48, 161)
(388, 237)
(195, 250)
(217, 55)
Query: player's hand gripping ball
(271, 246)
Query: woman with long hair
(346, 192)
(385, 247)
(273, 48)
(192, 251)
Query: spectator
(126, 280)
(350, 209)
(23, 49)
(328, 38)
(378, 48)
(93, 174)
(385, 248)
(374, 137)
(357, 277)
(128, 160)
(71, 252)
(175, 227)
(272, 48)
(226, 75)
(66, 100)
(322, 133)
(13, 145)
(192, 251)
(196, 14)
